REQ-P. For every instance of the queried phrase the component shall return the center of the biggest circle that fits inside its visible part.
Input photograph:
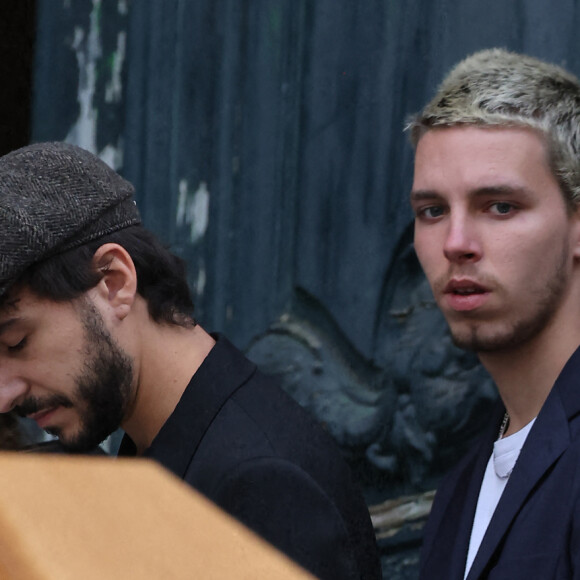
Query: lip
(43, 417)
(464, 295)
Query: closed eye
(18, 346)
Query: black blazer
(240, 440)
(535, 529)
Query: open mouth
(464, 287)
(465, 295)
(467, 291)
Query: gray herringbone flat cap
(54, 197)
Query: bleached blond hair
(498, 88)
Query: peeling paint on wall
(112, 156)
(88, 50)
(83, 132)
(201, 278)
(114, 90)
(193, 209)
(123, 7)
(87, 46)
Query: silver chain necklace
(504, 424)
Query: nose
(11, 391)
(462, 243)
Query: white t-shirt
(499, 467)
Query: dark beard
(103, 389)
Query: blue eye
(434, 211)
(431, 212)
(503, 207)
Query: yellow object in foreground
(95, 518)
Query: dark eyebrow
(485, 191)
(421, 194)
(500, 190)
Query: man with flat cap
(96, 332)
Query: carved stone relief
(406, 415)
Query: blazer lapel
(547, 440)
(455, 513)
(223, 371)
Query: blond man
(497, 231)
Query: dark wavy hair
(161, 276)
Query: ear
(118, 284)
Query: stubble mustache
(34, 405)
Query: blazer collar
(547, 440)
(456, 509)
(223, 371)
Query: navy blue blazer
(237, 438)
(535, 529)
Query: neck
(169, 356)
(525, 374)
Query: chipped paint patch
(88, 50)
(114, 88)
(112, 156)
(123, 7)
(201, 279)
(193, 209)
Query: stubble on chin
(103, 388)
(488, 336)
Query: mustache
(483, 280)
(34, 405)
